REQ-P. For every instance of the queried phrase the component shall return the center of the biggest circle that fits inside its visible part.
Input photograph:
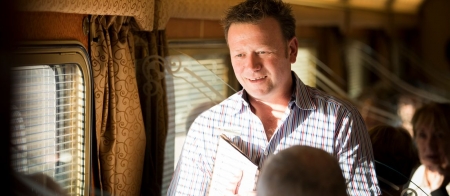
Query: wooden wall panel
(42, 26)
(178, 28)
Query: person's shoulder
(420, 171)
(232, 100)
(418, 176)
(230, 103)
(329, 98)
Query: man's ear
(293, 49)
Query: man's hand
(235, 182)
(253, 193)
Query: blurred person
(36, 184)
(301, 170)
(275, 109)
(431, 126)
(378, 105)
(407, 105)
(395, 155)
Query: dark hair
(393, 147)
(301, 170)
(433, 114)
(253, 11)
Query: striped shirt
(312, 118)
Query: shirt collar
(300, 96)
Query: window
(305, 66)
(197, 77)
(51, 111)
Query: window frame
(64, 52)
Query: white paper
(229, 160)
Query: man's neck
(275, 105)
(270, 113)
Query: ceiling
(343, 13)
(396, 6)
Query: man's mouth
(259, 78)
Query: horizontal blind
(48, 123)
(192, 87)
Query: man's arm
(355, 155)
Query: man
(301, 170)
(275, 110)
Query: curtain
(120, 139)
(151, 48)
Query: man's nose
(253, 62)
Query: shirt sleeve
(193, 172)
(355, 156)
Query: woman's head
(431, 127)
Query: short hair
(432, 114)
(253, 11)
(393, 149)
(301, 170)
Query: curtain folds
(130, 104)
(151, 48)
(120, 133)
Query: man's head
(253, 11)
(301, 170)
(262, 43)
(395, 156)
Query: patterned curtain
(120, 138)
(151, 48)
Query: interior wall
(178, 28)
(435, 33)
(41, 26)
(6, 44)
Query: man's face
(261, 58)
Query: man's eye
(262, 52)
(239, 55)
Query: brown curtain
(120, 138)
(151, 48)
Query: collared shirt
(312, 118)
(420, 185)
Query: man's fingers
(234, 181)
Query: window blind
(50, 103)
(48, 126)
(193, 85)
